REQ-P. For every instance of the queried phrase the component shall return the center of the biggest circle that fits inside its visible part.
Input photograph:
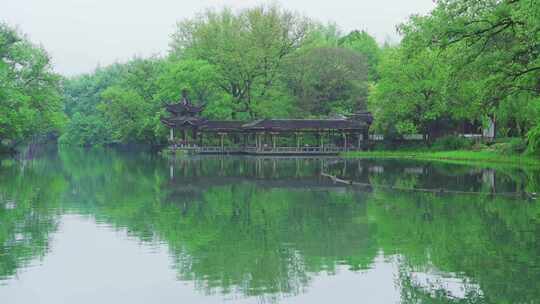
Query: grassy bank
(459, 155)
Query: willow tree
(246, 48)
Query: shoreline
(462, 156)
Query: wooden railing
(218, 149)
(262, 150)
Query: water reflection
(269, 229)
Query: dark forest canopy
(465, 62)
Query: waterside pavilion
(195, 134)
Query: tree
(246, 49)
(506, 31)
(410, 96)
(494, 49)
(328, 80)
(30, 100)
(88, 126)
(82, 93)
(198, 78)
(365, 44)
(86, 130)
(467, 60)
(131, 106)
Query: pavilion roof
(222, 125)
(305, 124)
(184, 107)
(355, 122)
(182, 121)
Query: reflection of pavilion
(291, 173)
(325, 173)
(264, 136)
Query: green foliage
(247, 50)
(262, 62)
(117, 104)
(534, 141)
(465, 61)
(131, 106)
(449, 143)
(513, 146)
(364, 44)
(86, 130)
(328, 80)
(410, 96)
(30, 101)
(199, 79)
(83, 93)
(131, 117)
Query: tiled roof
(305, 124)
(179, 108)
(222, 125)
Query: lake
(105, 226)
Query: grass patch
(459, 155)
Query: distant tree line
(255, 63)
(465, 62)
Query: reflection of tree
(493, 242)
(415, 292)
(421, 174)
(240, 235)
(264, 227)
(268, 241)
(29, 210)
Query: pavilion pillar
(258, 141)
(261, 141)
(171, 134)
(273, 141)
(359, 141)
(321, 139)
(222, 141)
(345, 141)
(365, 135)
(298, 138)
(257, 145)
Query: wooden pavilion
(264, 136)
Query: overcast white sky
(80, 34)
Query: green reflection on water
(267, 227)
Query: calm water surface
(114, 227)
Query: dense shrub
(452, 143)
(513, 146)
(391, 145)
(534, 140)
